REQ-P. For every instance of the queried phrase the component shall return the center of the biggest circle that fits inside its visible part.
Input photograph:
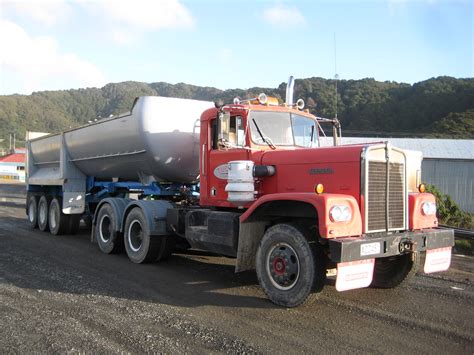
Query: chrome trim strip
(387, 183)
(363, 183)
(110, 155)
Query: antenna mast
(336, 76)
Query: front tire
(289, 267)
(394, 271)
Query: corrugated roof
(431, 148)
(13, 158)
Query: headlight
(428, 208)
(340, 213)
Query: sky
(65, 44)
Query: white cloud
(38, 64)
(127, 20)
(45, 12)
(147, 14)
(283, 16)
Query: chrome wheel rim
(104, 229)
(135, 235)
(31, 213)
(52, 217)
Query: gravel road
(60, 294)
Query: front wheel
(289, 267)
(393, 271)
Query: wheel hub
(283, 266)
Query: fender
(417, 220)
(155, 214)
(322, 203)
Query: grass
(464, 246)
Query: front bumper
(380, 245)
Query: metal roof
(13, 158)
(431, 148)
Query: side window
(231, 133)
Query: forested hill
(438, 107)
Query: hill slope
(442, 107)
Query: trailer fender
(155, 212)
(293, 205)
(118, 205)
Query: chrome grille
(377, 196)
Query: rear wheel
(139, 245)
(74, 223)
(396, 270)
(289, 267)
(33, 211)
(58, 221)
(43, 209)
(107, 236)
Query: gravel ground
(60, 294)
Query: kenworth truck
(248, 180)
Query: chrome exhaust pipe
(289, 91)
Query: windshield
(282, 128)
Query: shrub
(449, 212)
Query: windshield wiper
(266, 140)
(312, 135)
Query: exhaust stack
(289, 91)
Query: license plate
(437, 260)
(370, 249)
(354, 274)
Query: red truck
(247, 180)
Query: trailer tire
(108, 238)
(58, 221)
(289, 266)
(43, 212)
(74, 223)
(140, 246)
(32, 211)
(394, 271)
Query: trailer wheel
(289, 267)
(396, 270)
(139, 245)
(108, 238)
(58, 221)
(32, 211)
(43, 209)
(74, 223)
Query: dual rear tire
(140, 246)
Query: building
(447, 163)
(12, 166)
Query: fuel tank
(158, 140)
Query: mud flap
(354, 274)
(437, 260)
